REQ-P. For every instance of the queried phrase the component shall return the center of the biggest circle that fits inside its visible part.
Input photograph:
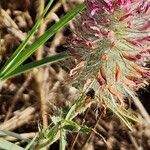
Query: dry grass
(32, 98)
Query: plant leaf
(9, 133)
(85, 129)
(70, 112)
(30, 143)
(71, 125)
(36, 64)
(26, 41)
(62, 143)
(5, 145)
(29, 50)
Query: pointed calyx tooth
(131, 57)
(116, 94)
(100, 80)
(133, 78)
(125, 16)
(134, 42)
(131, 84)
(78, 69)
(135, 82)
(103, 74)
(145, 72)
(117, 72)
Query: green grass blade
(25, 42)
(71, 111)
(62, 142)
(41, 40)
(4, 133)
(31, 143)
(36, 64)
(71, 126)
(120, 116)
(5, 145)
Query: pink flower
(113, 38)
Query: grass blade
(31, 143)
(5, 145)
(36, 64)
(12, 134)
(25, 42)
(41, 40)
(62, 143)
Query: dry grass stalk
(40, 74)
(11, 26)
(16, 97)
(19, 119)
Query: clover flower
(112, 45)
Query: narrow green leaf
(70, 128)
(121, 116)
(70, 112)
(36, 64)
(25, 42)
(71, 125)
(85, 129)
(49, 137)
(17, 136)
(30, 143)
(52, 132)
(62, 143)
(128, 114)
(5, 145)
(41, 40)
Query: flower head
(113, 38)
